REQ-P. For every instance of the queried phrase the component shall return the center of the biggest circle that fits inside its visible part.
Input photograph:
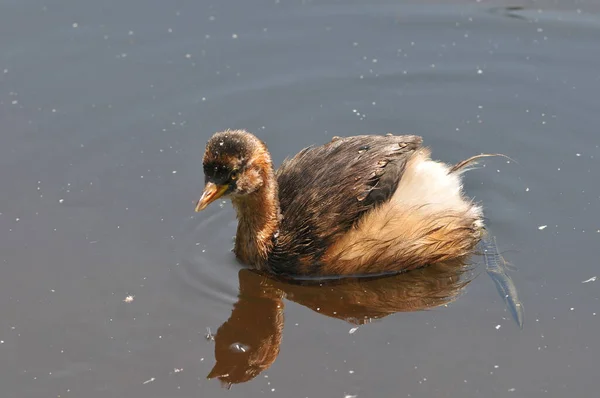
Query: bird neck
(258, 222)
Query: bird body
(357, 205)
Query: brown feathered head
(235, 163)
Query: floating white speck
(234, 36)
(350, 396)
(188, 56)
(351, 371)
(129, 299)
(351, 331)
(526, 189)
(61, 200)
(150, 380)
(174, 171)
(75, 24)
(479, 71)
(511, 389)
(577, 154)
(592, 279)
(131, 33)
(1, 341)
(175, 370)
(498, 327)
(541, 227)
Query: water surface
(105, 108)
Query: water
(105, 108)
(496, 267)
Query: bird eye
(234, 175)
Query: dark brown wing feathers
(324, 190)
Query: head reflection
(248, 342)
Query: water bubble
(239, 347)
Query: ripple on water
(206, 265)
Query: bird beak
(211, 193)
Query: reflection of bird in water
(248, 342)
(357, 205)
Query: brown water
(105, 108)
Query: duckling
(358, 205)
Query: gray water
(105, 108)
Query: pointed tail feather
(460, 166)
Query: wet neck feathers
(258, 220)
